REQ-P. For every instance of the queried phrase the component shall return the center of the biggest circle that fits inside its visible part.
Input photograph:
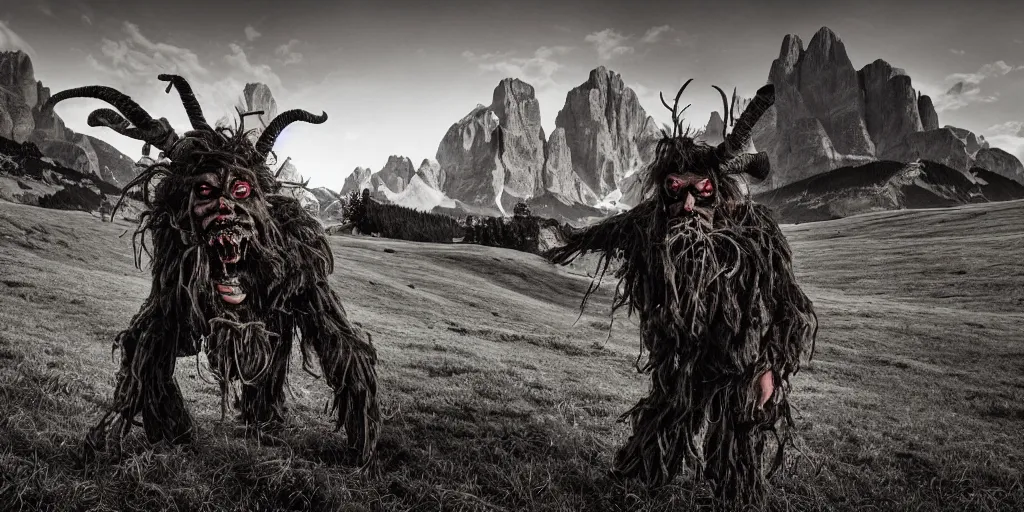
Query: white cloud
(970, 95)
(970, 88)
(255, 72)
(286, 52)
(990, 70)
(484, 57)
(654, 34)
(87, 20)
(954, 51)
(251, 33)
(10, 40)
(44, 7)
(1007, 129)
(1011, 143)
(131, 65)
(139, 58)
(537, 70)
(1008, 136)
(609, 44)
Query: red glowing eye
(204, 190)
(241, 190)
(705, 187)
(675, 184)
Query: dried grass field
(499, 399)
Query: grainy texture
(238, 269)
(499, 399)
(711, 281)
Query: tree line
(521, 232)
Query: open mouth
(230, 245)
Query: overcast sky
(393, 76)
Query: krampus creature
(721, 315)
(239, 269)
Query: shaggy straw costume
(238, 270)
(725, 324)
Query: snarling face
(690, 193)
(221, 207)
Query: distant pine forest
(521, 232)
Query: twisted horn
(725, 112)
(188, 99)
(131, 110)
(737, 140)
(111, 119)
(269, 135)
(155, 132)
(756, 165)
(184, 147)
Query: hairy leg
(264, 402)
(145, 384)
(665, 429)
(164, 414)
(348, 360)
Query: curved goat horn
(155, 132)
(737, 140)
(732, 108)
(111, 119)
(756, 165)
(269, 135)
(127, 106)
(188, 99)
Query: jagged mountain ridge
(829, 115)
(22, 119)
(886, 185)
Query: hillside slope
(886, 185)
(498, 401)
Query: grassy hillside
(498, 401)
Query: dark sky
(393, 76)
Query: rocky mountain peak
(397, 173)
(495, 154)
(257, 96)
(430, 172)
(606, 130)
(891, 105)
(929, 117)
(827, 46)
(17, 76)
(22, 119)
(829, 115)
(521, 155)
(712, 134)
(784, 67)
(356, 181)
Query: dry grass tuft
(915, 399)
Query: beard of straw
(718, 306)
